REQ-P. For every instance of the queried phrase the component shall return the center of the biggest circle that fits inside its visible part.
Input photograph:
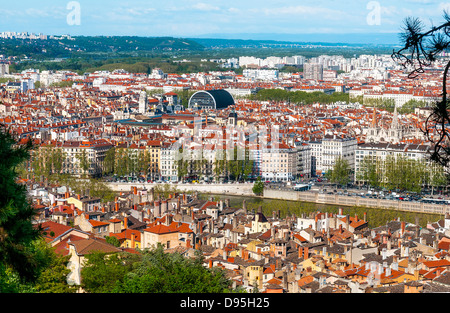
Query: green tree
(99, 189)
(101, 272)
(340, 174)
(17, 232)
(258, 187)
(161, 272)
(369, 171)
(164, 190)
(112, 241)
(109, 161)
(84, 161)
(219, 164)
(122, 162)
(53, 277)
(182, 164)
(438, 179)
(143, 162)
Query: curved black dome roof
(212, 99)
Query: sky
(292, 20)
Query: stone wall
(356, 201)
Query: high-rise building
(313, 71)
(4, 69)
(143, 103)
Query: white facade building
(334, 147)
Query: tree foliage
(340, 174)
(17, 232)
(258, 187)
(160, 272)
(151, 271)
(400, 173)
(299, 97)
(53, 277)
(420, 50)
(101, 271)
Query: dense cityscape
(133, 170)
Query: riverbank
(290, 202)
(375, 216)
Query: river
(375, 217)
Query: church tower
(372, 132)
(395, 132)
(143, 103)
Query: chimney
(403, 228)
(125, 222)
(340, 211)
(164, 207)
(117, 206)
(78, 196)
(168, 219)
(365, 217)
(157, 211)
(388, 272)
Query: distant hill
(140, 53)
(63, 48)
(134, 43)
(322, 39)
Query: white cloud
(306, 11)
(139, 11)
(205, 7)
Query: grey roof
(222, 98)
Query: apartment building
(303, 160)
(169, 162)
(313, 71)
(334, 146)
(85, 156)
(316, 156)
(261, 74)
(279, 162)
(154, 150)
(380, 151)
(4, 69)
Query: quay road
(234, 189)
